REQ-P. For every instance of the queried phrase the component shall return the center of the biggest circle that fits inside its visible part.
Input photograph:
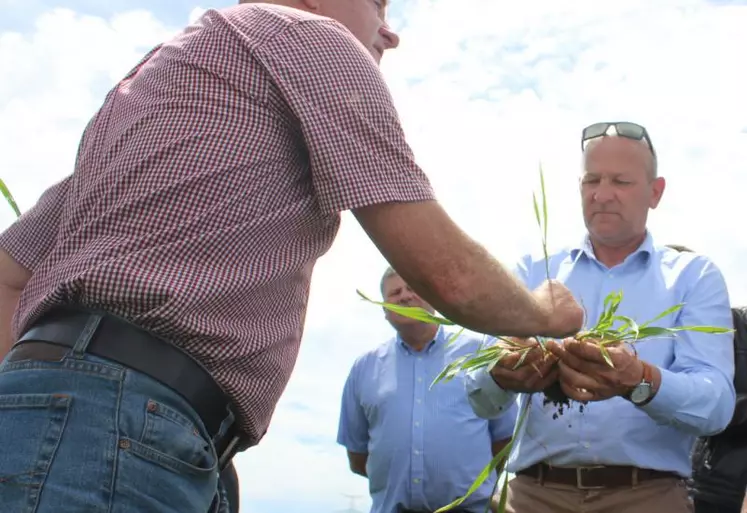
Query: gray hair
(387, 274)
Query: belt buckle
(579, 481)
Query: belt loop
(634, 477)
(81, 344)
(541, 474)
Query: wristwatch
(643, 392)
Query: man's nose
(391, 39)
(603, 193)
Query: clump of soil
(554, 395)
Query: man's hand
(565, 315)
(534, 374)
(586, 376)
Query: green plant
(610, 328)
(9, 198)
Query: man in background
(419, 446)
(719, 478)
(621, 442)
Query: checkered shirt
(208, 184)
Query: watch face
(640, 393)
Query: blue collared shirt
(696, 397)
(425, 445)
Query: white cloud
(486, 91)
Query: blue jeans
(87, 435)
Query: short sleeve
(357, 149)
(352, 432)
(32, 236)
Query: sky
(487, 91)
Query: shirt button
(417, 452)
(418, 401)
(417, 424)
(586, 445)
(420, 380)
(416, 480)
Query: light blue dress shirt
(425, 445)
(696, 397)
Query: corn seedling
(610, 329)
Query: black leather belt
(122, 342)
(594, 478)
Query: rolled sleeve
(352, 431)
(357, 148)
(697, 393)
(486, 398)
(32, 236)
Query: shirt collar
(585, 248)
(437, 341)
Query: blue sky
(486, 91)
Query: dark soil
(554, 395)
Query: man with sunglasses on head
(623, 443)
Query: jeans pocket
(31, 427)
(173, 441)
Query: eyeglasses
(623, 129)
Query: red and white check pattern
(209, 183)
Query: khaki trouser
(667, 495)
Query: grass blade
(606, 356)
(454, 336)
(9, 198)
(497, 460)
(544, 205)
(412, 312)
(663, 314)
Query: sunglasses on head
(622, 128)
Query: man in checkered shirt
(160, 290)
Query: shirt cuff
(484, 390)
(673, 394)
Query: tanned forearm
(451, 271)
(479, 293)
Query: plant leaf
(654, 331)
(412, 312)
(544, 205)
(663, 314)
(494, 463)
(536, 210)
(713, 330)
(606, 355)
(9, 198)
(454, 336)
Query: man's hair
(680, 248)
(387, 274)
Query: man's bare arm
(358, 463)
(454, 273)
(13, 278)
